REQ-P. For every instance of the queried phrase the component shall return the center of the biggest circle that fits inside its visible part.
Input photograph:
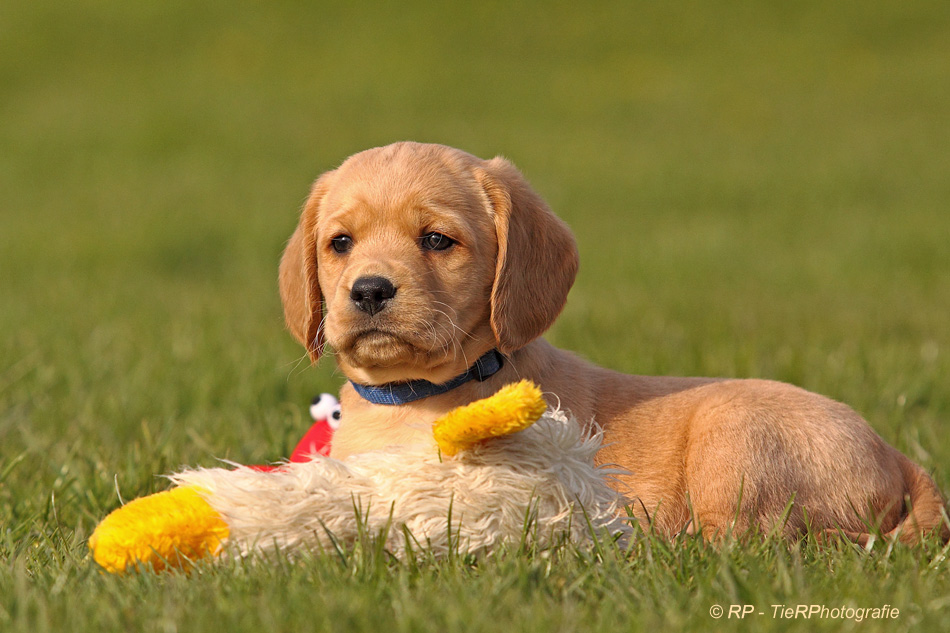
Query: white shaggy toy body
(543, 479)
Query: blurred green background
(757, 189)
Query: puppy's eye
(436, 241)
(342, 243)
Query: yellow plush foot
(513, 408)
(166, 529)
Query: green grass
(758, 189)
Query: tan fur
(703, 454)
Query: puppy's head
(413, 260)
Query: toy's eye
(342, 243)
(334, 419)
(436, 241)
(326, 407)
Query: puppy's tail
(926, 507)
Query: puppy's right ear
(299, 286)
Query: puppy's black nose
(370, 294)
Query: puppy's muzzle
(371, 294)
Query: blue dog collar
(403, 392)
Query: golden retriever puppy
(432, 275)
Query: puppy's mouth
(375, 336)
(377, 347)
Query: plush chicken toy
(492, 474)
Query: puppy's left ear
(537, 257)
(299, 285)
